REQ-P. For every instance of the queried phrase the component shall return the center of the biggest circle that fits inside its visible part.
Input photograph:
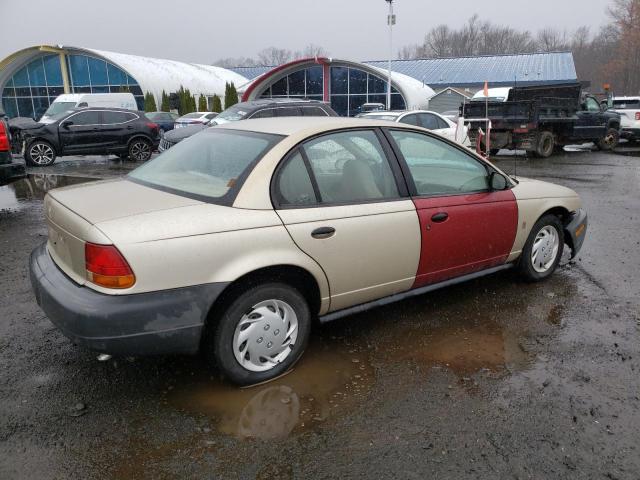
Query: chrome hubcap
(41, 153)
(265, 335)
(545, 249)
(140, 151)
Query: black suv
(91, 131)
(263, 108)
(9, 171)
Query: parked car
(263, 108)
(629, 110)
(90, 131)
(9, 170)
(164, 120)
(68, 101)
(543, 118)
(430, 120)
(195, 118)
(235, 240)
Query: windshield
(208, 165)
(59, 107)
(232, 114)
(193, 115)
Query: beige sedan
(233, 241)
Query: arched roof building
(347, 85)
(30, 79)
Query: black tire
(545, 145)
(219, 340)
(39, 153)
(526, 266)
(140, 149)
(609, 141)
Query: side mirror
(66, 124)
(497, 182)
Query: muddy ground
(491, 379)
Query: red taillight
(107, 267)
(152, 126)
(637, 115)
(4, 138)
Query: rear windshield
(631, 104)
(193, 115)
(209, 166)
(381, 116)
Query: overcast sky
(205, 30)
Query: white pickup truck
(629, 110)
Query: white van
(68, 101)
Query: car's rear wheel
(546, 144)
(39, 154)
(543, 249)
(140, 150)
(260, 335)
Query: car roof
(110, 109)
(291, 125)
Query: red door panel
(478, 233)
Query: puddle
(34, 187)
(328, 380)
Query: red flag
(486, 89)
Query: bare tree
(311, 51)
(552, 40)
(231, 62)
(274, 56)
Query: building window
(305, 83)
(30, 91)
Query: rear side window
(313, 112)
(117, 117)
(438, 168)
(210, 116)
(344, 167)
(288, 112)
(630, 104)
(430, 122)
(410, 119)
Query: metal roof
(498, 70)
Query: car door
(117, 129)
(465, 226)
(591, 123)
(81, 133)
(345, 205)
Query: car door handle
(323, 232)
(439, 217)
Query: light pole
(391, 21)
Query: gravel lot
(491, 379)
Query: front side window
(429, 121)
(592, 105)
(438, 168)
(347, 167)
(265, 113)
(210, 165)
(86, 118)
(313, 112)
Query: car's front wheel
(140, 150)
(543, 249)
(609, 141)
(39, 154)
(261, 334)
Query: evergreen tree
(149, 102)
(165, 105)
(231, 95)
(202, 103)
(217, 104)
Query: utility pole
(391, 21)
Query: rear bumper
(163, 322)
(576, 231)
(630, 133)
(10, 172)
